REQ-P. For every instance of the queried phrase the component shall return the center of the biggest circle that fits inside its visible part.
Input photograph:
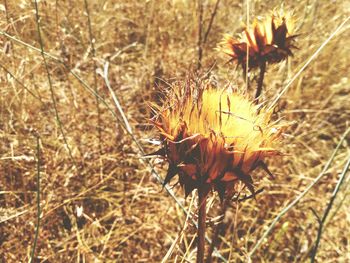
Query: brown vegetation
(99, 200)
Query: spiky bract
(268, 40)
(214, 138)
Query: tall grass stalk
(328, 209)
(200, 30)
(93, 57)
(37, 199)
(53, 98)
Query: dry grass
(127, 217)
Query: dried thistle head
(268, 40)
(214, 138)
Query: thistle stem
(260, 81)
(219, 229)
(37, 200)
(202, 201)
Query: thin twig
(213, 14)
(37, 199)
(115, 99)
(149, 25)
(328, 209)
(7, 12)
(246, 68)
(314, 55)
(315, 214)
(244, 198)
(341, 202)
(93, 52)
(57, 26)
(200, 29)
(21, 84)
(296, 200)
(60, 125)
(75, 75)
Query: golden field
(79, 144)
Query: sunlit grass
(108, 207)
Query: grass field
(64, 137)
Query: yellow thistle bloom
(214, 138)
(269, 40)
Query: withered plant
(213, 139)
(267, 41)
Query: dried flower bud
(268, 40)
(214, 138)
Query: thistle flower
(269, 40)
(214, 138)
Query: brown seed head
(268, 40)
(214, 138)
